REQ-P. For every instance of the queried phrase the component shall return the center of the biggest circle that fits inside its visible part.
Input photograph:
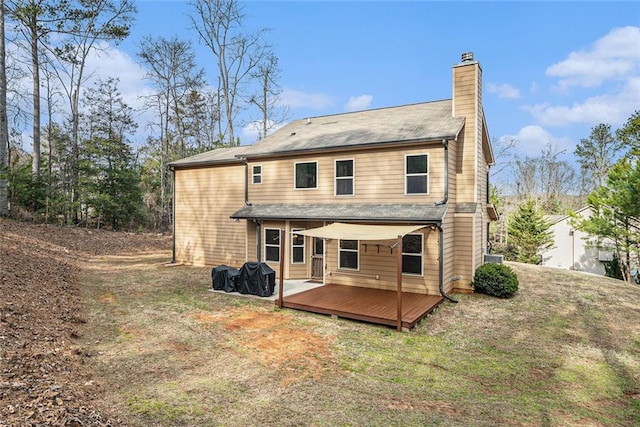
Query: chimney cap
(467, 56)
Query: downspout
(445, 144)
(258, 239)
(173, 216)
(246, 181)
(441, 264)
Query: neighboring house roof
(418, 212)
(217, 156)
(428, 121)
(554, 219)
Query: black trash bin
(225, 278)
(256, 279)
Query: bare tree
(267, 74)
(219, 23)
(171, 67)
(4, 125)
(598, 153)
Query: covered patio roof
(420, 213)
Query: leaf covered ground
(45, 377)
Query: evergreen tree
(629, 134)
(615, 218)
(110, 179)
(529, 232)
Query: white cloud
(612, 108)
(296, 99)
(504, 90)
(533, 139)
(361, 102)
(615, 55)
(108, 61)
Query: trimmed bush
(497, 280)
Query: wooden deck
(365, 304)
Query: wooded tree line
(608, 182)
(83, 167)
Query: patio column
(399, 280)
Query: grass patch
(562, 351)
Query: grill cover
(256, 279)
(225, 278)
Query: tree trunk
(35, 64)
(4, 126)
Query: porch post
(399, 280)
(283, 234)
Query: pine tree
(529, 232)
(615, 218)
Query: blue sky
(552, 70)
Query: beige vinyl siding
(449, 247)
(204, 200)
(378, 266)
(299, 271)
(480, 239)
(466, 84)
(464, 236)
(378, 174)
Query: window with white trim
(297, 246)
(306, 176)
(272, 244)
(256, 174)
(348, 254)
(412, 254)
(344, 181)
(416, 168)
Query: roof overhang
(339, 230)
(419, 213)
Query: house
(333, 196)
(573, 249)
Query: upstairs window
(412, 254)
(416, 174)
(306, 175)
(256, 174)
(272, 244)
(344, 178)
(348, 254)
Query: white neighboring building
(571, 250)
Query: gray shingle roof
(415, 122)
(419, 212)
(219, 155)
(428, 121)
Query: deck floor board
(365, 304)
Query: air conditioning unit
(495, 258)
(605, 256)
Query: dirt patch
(273, 340)
(45, 378)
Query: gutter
(445, 144)
(441, 265)
(173, 216)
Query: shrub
(497, 280)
